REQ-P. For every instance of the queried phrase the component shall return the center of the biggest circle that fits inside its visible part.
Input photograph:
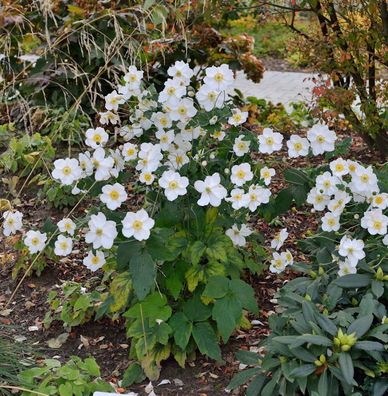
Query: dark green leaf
(245, 293)
(303, 371)
(369, 346)
(143, 273)
(206, 340)
(346, 366)
(241, 378)
(182, 328)
(360, 326)
(353, 281)
(216, 287)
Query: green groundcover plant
(173, 189)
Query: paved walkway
(278, 87)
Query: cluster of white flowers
(162, 135)
(349, 181)
(281, 260)
(352, 250)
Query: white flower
(238, 198)
(109, 117)
(172, 92)
(102, 232)
(380, 201)
(31, 58)
(385, 240)
(352, 166)
(330, 222)
(190, 133)
(257, 195)
(183, 111)
(278, 263)
(180, 143)
(270, 141)
(147, 178)
(113, 195)
(94, 261)
(67, 171)
(13, 222)
(241, 146)
(66, 225)
(346, 268)
(174, 184)
(287, 257)
(177, 158)
(212, 192)
(317, 199)
(150, 156)
(209, 98)
(327, 183)
(364, 181)
(63, 246)
(129, 151)
(113, 100)
(35, 241)
(339, 167)
(297, 146)
(241, 174)
(219, 78)
(137, 224)
(126, 91)
(266, 174)
(128, 132)
(352, 249)
(118, 161)
(321, 138)
(161, 120)
(219, 135)
(238, 235)
(86, 164)
(181, 71)
(133, 77)
(238, 117)
(165, 138)
(279, 239)
(103, 165)
(337, 204)
(96, 137)
(375, 222)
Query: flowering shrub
(181, 248)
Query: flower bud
(227, 171)
(345, 348)
(313, 274)
(322, 358)
(318, 363)
(356, 216)
(379, 274)
(307, 297)
(213, 120)
(321, 271)
(212, 156)
(204, 163)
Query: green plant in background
(76, 377)
(74, 306)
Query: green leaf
(360, 326)
(369, 346)
(156, 245)
(353, 281)
(133, 374)
(65, 389)
(303, 371)
(153, 307)
(326, 324)
(91, 366)
(377, 288)
(217, 287)
(196, 251)
(120, 289)
(124, 253)
(195, 310)
(312, 339)
(323, 384)
(346, 366)
(247, 357)
(182, 329)
(143, 272)
(256, 385)
(227, 313)
(206, 340)
(241, 378)
(245, 294)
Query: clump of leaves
(75, 377)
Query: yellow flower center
(364, 178)
(35, 241)
(95, 260)
(137, 225)
(148, 177)
(219, 77)
(130, 152)
(99, 231)
(173, 184)
(240, 174)
(377, 225)
(212, 96)
(66, 170)
(269, 141)
(339, 167)
(331, 222)
(63, 245)
(182, 110)
(321, 139)
(298, 146)
(171, 90)
(97, 138)
(379, 200)
(266, 174)
(114, 195)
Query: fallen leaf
(56, 343)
